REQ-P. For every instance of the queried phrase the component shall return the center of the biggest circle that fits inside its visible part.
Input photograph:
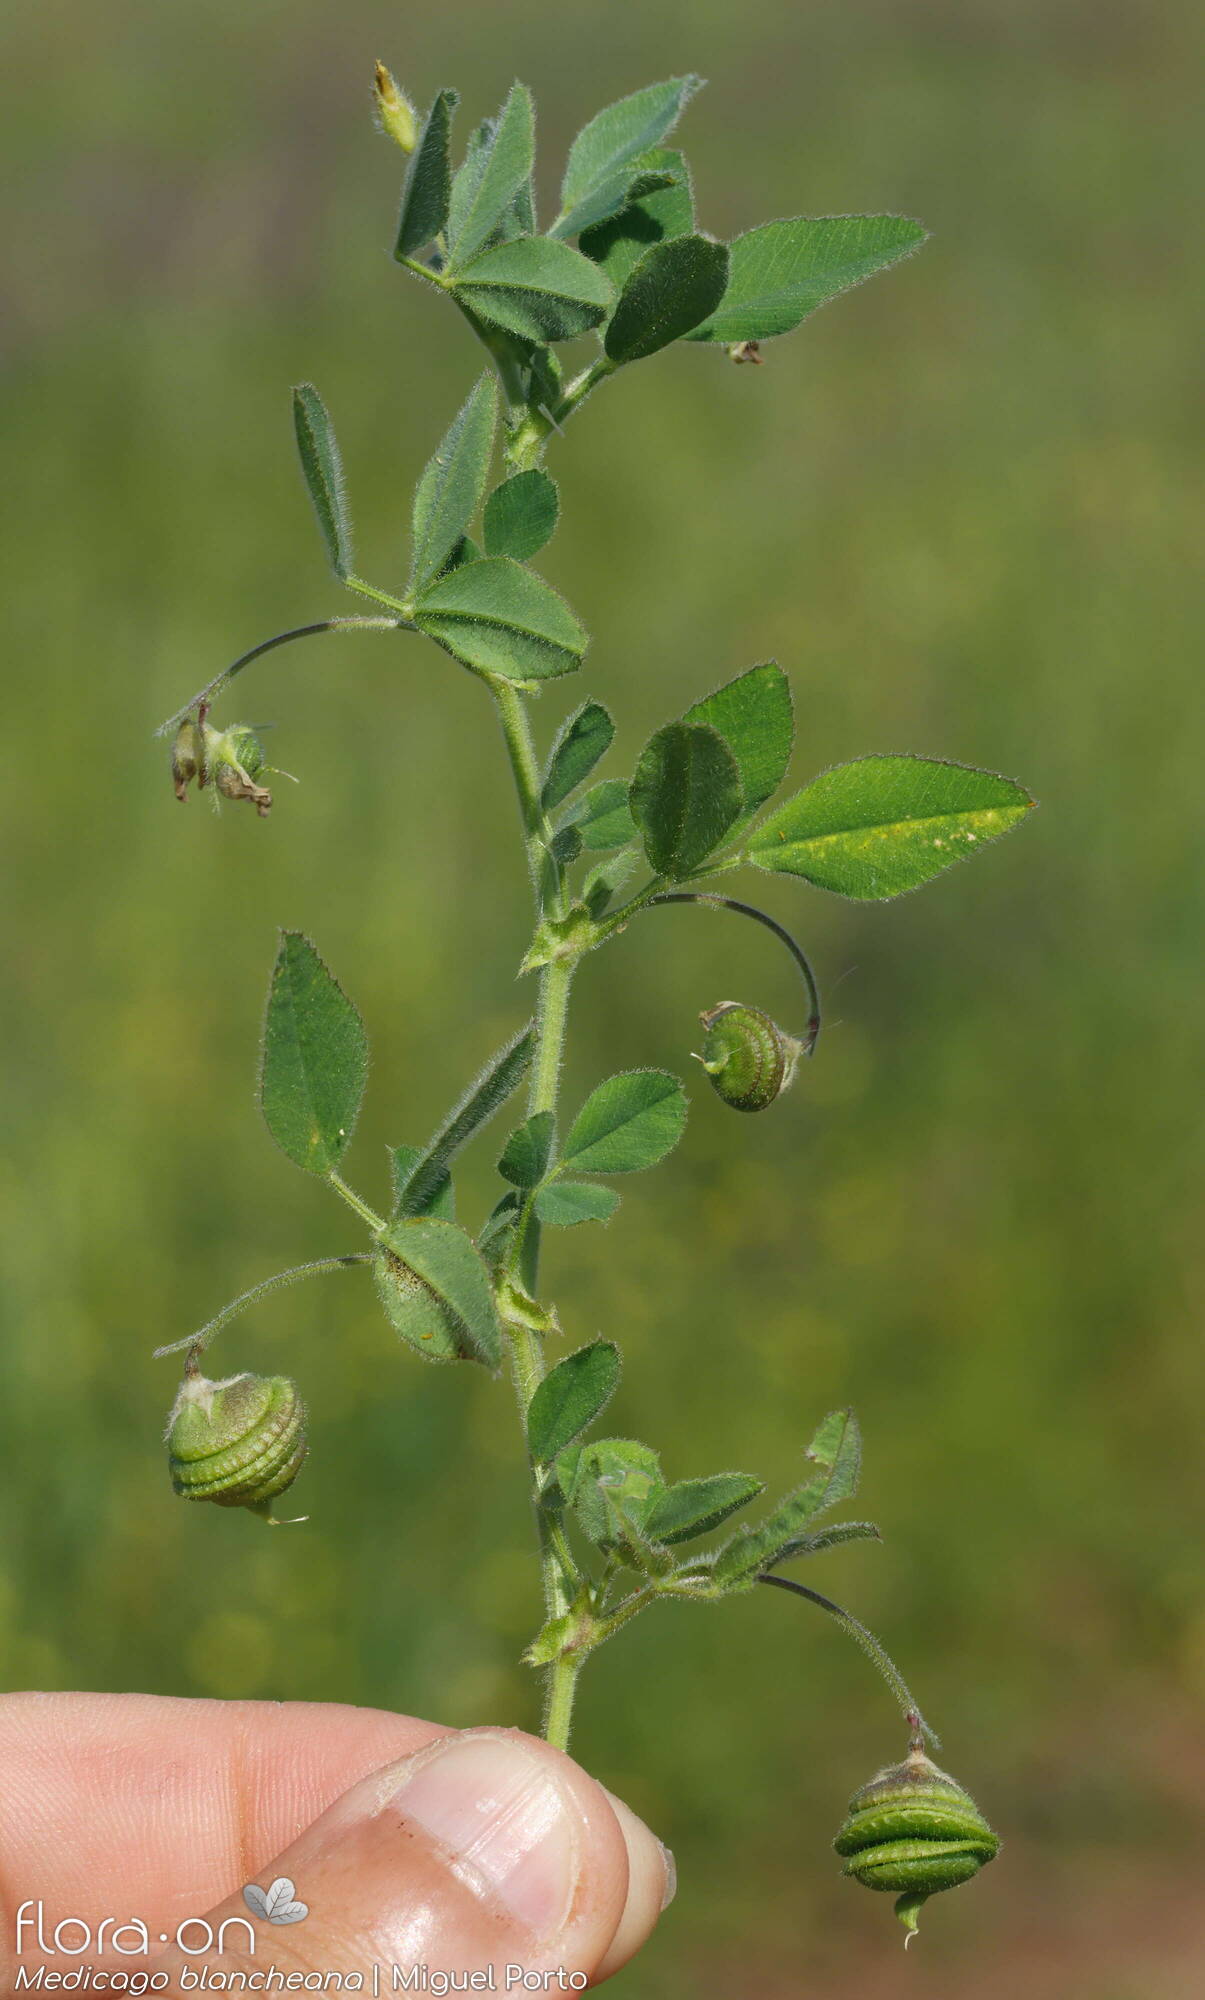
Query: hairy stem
(369, 1215)
(537, 833)
(559, 1695)
(196, 1343)
(800, 957)
(210, 692)
(870, 1646)
(558, 1573)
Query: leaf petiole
(375, 1222)
(210, 692)
(196, 1343)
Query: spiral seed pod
(240, 745)
(231, 759)
(237, 758)
(749, 1058)
(239, 1443)
(914, 1831)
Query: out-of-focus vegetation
(962, 507)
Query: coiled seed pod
(231, 759)
(237, 759)
(239, 1443)
(240, 745)
(749, 1058)
(914, 1830)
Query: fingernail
(671, 1875)
(509, 1830)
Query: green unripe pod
(749, 1058)
(230, 759)
(236, 759)
(239, 1443)
(913, 1831)
(240, 745)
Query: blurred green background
(960, 506)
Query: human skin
(411, 1844)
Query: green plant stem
(532, 431)
(869, 1644)
(214, 688)
(560, 1691)
(552, 1013)
(710, 901)
(558, 1571)
(537, 833)
(196, 1343)
(380, 597)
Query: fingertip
(652, 1885)
(486, 1847)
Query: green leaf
(536, 287)
(582, 739)
(685, 795)
(449, 492)
(836, 1451)
(501, 619)
(754, 715)
(563, 1203)
(611, 1486)
(495, 171)
(618, 245)
(611, 196)
(673, 288)
(603, 817)
(630, 1122)
(439, 1201)
(315, 1059)
(576, 1391)
(437, 1291)
(566, 846)
(497, 1231)
(467, 176)
(545, 375)
(781, 272)
(605, 881)
(466, 551)
(520, 217)
(525, 1156)
(429, 182)
(323, 469)
(500, 1078)
(520, 515)
(829, 1538)
(696, 1506)
(882, 825)
(616, 137)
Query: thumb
(486, 1852)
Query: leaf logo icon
(277, 1905)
